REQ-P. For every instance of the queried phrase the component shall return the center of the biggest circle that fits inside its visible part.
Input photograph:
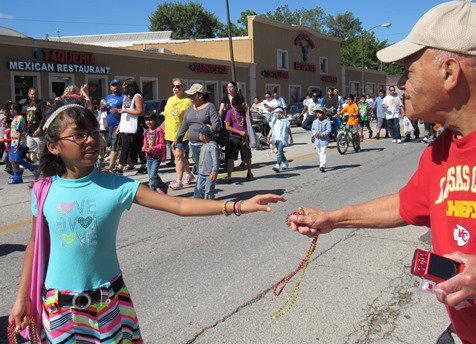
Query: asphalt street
(210, 279)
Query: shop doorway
(58, 84)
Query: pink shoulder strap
(40, 255)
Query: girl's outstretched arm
(200, 207)
(21, 308)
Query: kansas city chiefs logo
(461, 235)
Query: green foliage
(185, 20)
(235, 31)
(344, 26)
(314, 18)
(243, 20)
(190, 19)
(283, 15)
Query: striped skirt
(113, 320)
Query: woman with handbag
(131, 140)
(201, 112)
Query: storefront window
(212, 88)
(370, 88)
(58, 83)
(149, 88)
(355, 88)
(97, 88)
(22, 85)
(273, 88)
(242, 90)
(294, 93)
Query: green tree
(243, 20)
(314, 18)
(235, 31)
(185, 20)
(283, 15)
(343, 25)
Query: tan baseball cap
(195, 88)
(450, 26)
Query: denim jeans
(280, 156)
(155, 182)
(195, 149)
(204, 188)
(336, 124)
(393, 124)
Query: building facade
(52, 66)
(289, 60)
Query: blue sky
(37, 18)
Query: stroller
(261, 127)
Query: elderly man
(442, 191)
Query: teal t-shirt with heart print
(83, 217)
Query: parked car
(294, 113)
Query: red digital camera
(433, 267)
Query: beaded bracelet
(224, 208)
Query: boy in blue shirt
(208, 164)
(281, 135)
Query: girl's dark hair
(131, 88)
(51, 164)
(237, 100)
(149, 115)
(18, 107)
(235, 85)
(8, 120)
(7, 106)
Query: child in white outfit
(321, 128)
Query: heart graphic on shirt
(85, 221)
(67, 207)
(68, 238)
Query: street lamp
(363, 33)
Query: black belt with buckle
(84, 299)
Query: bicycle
(344, 137)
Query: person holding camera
(441, 193)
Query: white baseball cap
(195, 88)
(450, 26)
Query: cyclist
(352, 111)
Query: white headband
(58, 111)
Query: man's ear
(451, 70)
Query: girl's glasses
(82, 137)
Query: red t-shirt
(442, 195)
